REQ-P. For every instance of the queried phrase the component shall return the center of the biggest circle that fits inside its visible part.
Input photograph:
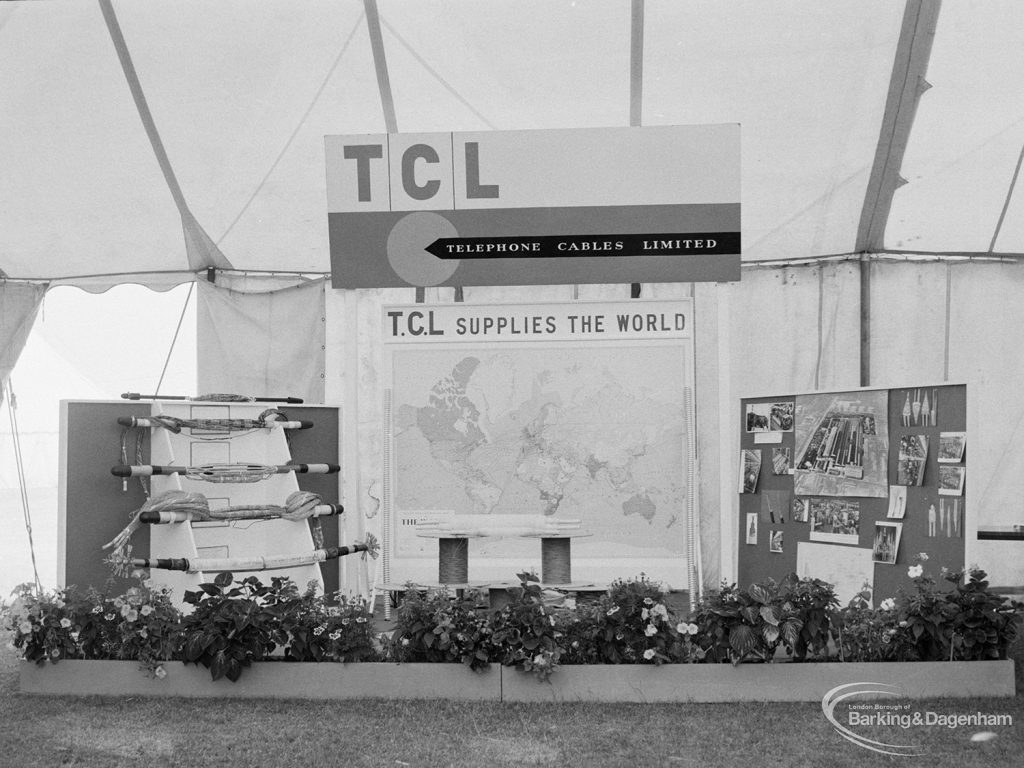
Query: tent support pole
(906, 84)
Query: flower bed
(628, 645)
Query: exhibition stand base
(598, 683)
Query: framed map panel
(564, 421)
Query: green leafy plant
(435, 626)
(747, 625)
(233, 626)
(861, 632)
(814, 601)
(525, 632)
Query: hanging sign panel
(603, 205)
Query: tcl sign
(681, 182)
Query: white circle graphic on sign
(407, 241)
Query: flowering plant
(141, 624)
(525, 632)
(959, 620)
(41, 626)
(319, 631)
(145, 626)
(635, 626)
(436, 626)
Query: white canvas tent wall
(881, 145)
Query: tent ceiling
(242, 93)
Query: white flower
(25, 628)
(132, 615)
(648, 601)
(644, 614)
(693, 628)
(922, 556)
(405, 641)
(650, 630)
(659, 610)
(65, 622)
(888, 604)
(649, 654)
(335, 635)
(98, 609)
(539, 660)
(360, 619)
(146, 610)
(317, 631)
(915, 571)
(59, 603)
(613, 610)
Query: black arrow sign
(558, 246)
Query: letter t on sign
(362, 154)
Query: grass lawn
(38, 731)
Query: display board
(570, 412)
(94, 505)
(850, 487)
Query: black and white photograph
(782, 461)
(886, 544)
(951, 481)
(835, 520)
(912, 460)
(775, 506)
(391, 329)
(759, 417)
(750, 469)
(951, 447)
(781, 417)
(801, 509)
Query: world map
(592, 432)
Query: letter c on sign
(419, 152)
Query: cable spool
(555, 560)
(453, 561)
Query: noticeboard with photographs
(852, 486)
